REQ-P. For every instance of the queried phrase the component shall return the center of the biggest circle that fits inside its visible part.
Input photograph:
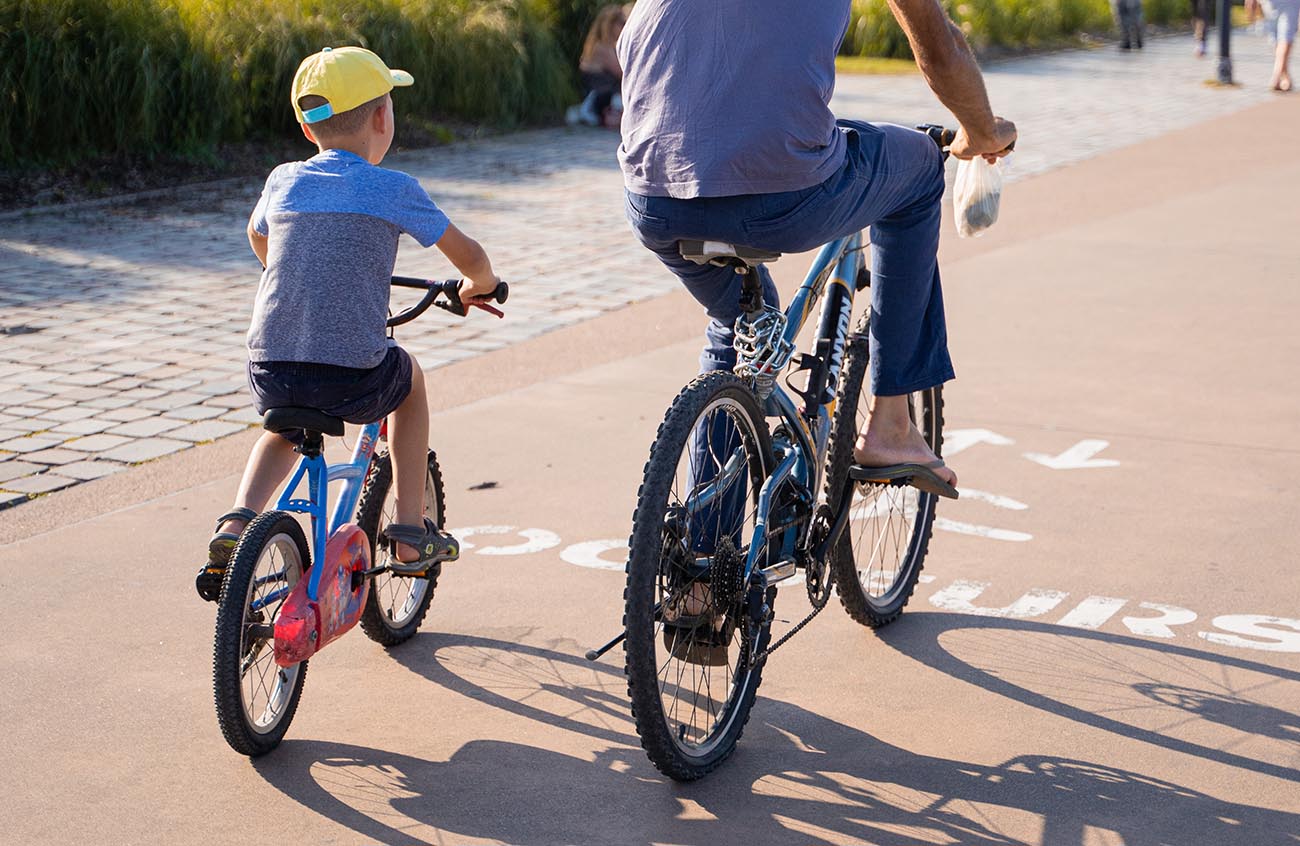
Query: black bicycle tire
(228, 640)
(644, 549)
(369, 510)
(861, 606)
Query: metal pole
(1225, 37)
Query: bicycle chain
(762, 656)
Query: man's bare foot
(892, 438)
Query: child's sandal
(220, 548)
(433, 546)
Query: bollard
(1225, 37)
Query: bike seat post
(751, 290)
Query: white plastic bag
(976, 195)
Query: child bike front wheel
(255, 698)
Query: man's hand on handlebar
(992, 146)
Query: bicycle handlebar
(944, 137)
(450, 289)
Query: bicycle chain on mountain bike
(762, 656)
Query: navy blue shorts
(356, 395)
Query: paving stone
(248, 414)
(179, 399)
(124, 414)
(40, 483)
(33, 443)
(97, 443)
(145, 427)
(194, 412)
(21, 396)
(207, 430)
(137, 451)
(89, 426)
(9, 499)
(51, 403)
(233, 400)
(86, 470)
(126, 383)
(111, 403)
(179, 383)
(17, 469)
(55, 456)
(88, 379)
(139, 394)
(68, 413)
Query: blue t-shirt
(730, 97)
(333, 222)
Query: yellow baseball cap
(347, 77)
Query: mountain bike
(282, 602)
(729, 507)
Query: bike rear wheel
(255, 698)
(692, 687)
(881, 552)
(396, 605)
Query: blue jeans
(892, 182)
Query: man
(728, 136)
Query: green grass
(869, 65)
(93, 78)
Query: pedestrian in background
(1286, 13)
(1202, 16)
(602, 77)
(1128, 15)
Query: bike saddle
(308, 419)
(722, 254)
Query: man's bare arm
(950, 69)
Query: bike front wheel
(880, 554)
(255, 698)
(396, 605)
(690, 670)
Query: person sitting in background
(602, 77)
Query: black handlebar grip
(501, 292)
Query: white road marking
(1254, 625)
(943, 524)
(1092, 613)
(958, 597)
(957, 440)
(1077, 457)
(535, 540)
(996, 500)
(587, 554)
(1170, 615)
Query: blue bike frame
(835, 272)
(319, 474)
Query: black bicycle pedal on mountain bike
(920, 476)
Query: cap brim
(402, 78)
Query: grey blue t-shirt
(729, 97)
(333, 222)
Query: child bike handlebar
(450, 291)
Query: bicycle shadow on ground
(1222, 708)
(796, 776)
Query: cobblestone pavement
(121, 326)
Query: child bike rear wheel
(879, 555)
(255, 698)
(692, 687)
(396, 605)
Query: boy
(326, 232)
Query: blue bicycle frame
(835, 272)
(319, 474)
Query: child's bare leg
(408, 438)
(1281, 73)
(891, 438)
(270, 461)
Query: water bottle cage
(761, 348)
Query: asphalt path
(1106, 649)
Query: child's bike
(729, 507)
(283, 601)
